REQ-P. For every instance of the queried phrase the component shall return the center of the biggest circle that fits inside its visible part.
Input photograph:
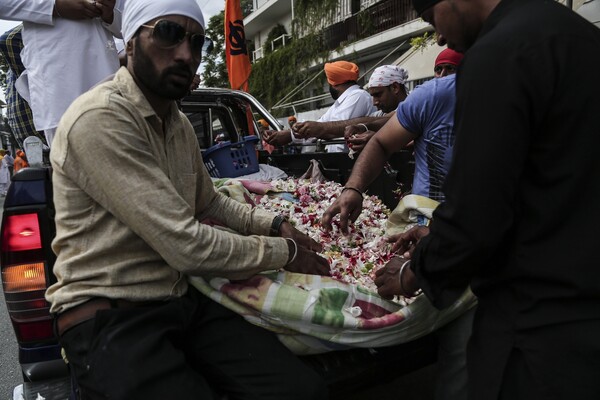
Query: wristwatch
(276, 225)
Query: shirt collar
(346, 93)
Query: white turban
(137, 12)
(386, 75)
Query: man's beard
(334, 93)
(158, 83)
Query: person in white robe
(68, 48)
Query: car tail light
(21, 232)
(24, 277)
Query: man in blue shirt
(427, 117)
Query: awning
(420, 62)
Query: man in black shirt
(519, 220)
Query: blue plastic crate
(230, 160)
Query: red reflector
(21, 232)
(34, 331)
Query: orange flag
(236, 51)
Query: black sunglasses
(168, 34)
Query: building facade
(367, 32)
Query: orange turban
(341, 72)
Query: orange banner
(236, 51)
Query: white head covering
(388, 74)
(137, 12)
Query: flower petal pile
(355, 257)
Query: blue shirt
(428, 112)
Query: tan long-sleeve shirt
(129, 192)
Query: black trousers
(553, 362)
(187, 348)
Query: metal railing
(258, 54)
(281, 39)
(371, 21)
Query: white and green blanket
(314, 314)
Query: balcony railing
(376, 17)
(275, 44)
(280, 41)
(257, 54)
(371, 21)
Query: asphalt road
(9, 363)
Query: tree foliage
(423, 41)
(275, 33)
(215, 70)
(310, 12)
(282, 71)
(247, 7)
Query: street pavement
(9, 363)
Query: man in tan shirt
(130, 325)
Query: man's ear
(396, 87)
(399, 90)
(129, 48)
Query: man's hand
(358, 141)
(308, 262)
(287, 230)
(107, 9)
(308, 129)
(387, 279)
(77, 9)
(406, 242)
(277, 138)
(348, 205)
(352, 130)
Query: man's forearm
(377, 123)
(38, 11)
(368, 166)
(335, 129)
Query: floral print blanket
(315, 314)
